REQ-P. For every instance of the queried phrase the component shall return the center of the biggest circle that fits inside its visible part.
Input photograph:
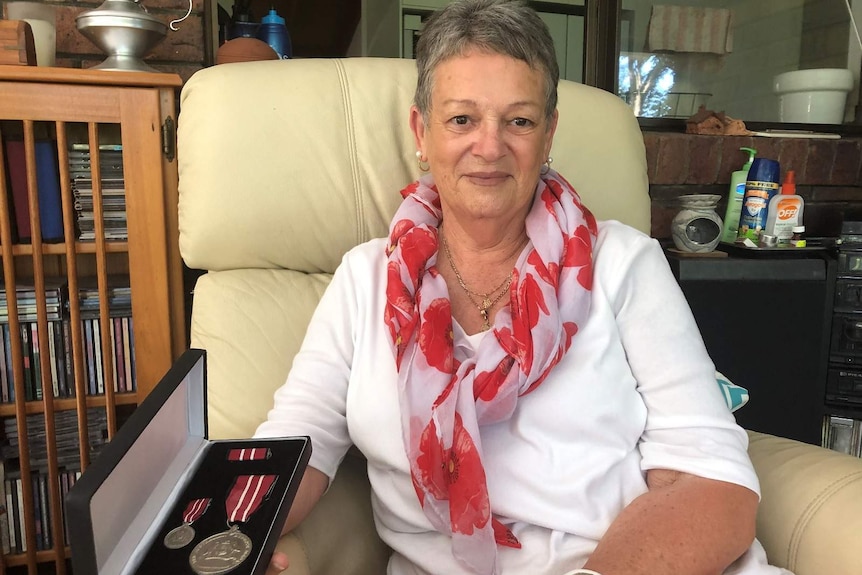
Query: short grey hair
(507, 27)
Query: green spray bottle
(734, 198)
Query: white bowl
(815, 96)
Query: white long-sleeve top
(636, 391)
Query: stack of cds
(113, 191)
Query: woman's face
(487, 136)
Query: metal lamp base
(124, 62)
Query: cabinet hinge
(169, 139)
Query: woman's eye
(460, 120)
(522, 122)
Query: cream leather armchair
(285, 165)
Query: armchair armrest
(810, 516)
(809, 519)
(339, 535)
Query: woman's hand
(277, 564)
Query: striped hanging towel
(690, 29)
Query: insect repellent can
(760, 185)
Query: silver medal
(220, 553)
(180, 536)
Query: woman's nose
(489, 144)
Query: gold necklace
(487, 302)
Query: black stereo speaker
(766, 324)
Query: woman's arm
(311, 488)
(700, 518)
(684, 524)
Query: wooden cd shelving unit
(135, 112)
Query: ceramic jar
(697, 227)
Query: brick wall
(181, 52)
(828, 174)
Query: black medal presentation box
(162, 498)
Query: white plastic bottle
(785, 211)
(734, 198)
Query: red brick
(732, 158)
(69, 39)
(821, 158)
(793, 155)
(651, 142)
(183, 45)
(668, 194)
(672, 162)
(767, 147)
(848, 157)
(705, 155)
(176, 5)
(661, 217)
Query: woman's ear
(417, 126)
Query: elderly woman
(527, 384)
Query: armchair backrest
(285, 165)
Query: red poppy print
(534, 299)
(530, 312)
(409, 189)
(585, 277)
(571, 328)
(578, 250)
(416, 247)
(487, 384)
(435, 335)
(590, 219)
(555, 192)
(435, 201)
(432, 463)
(550, 272)
(397, 293)
(469, 507)
(399, 312)
(400, 228)
(504, 536)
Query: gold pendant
(486, 303)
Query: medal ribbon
(248, 454)
(246, 495)
(195, 509)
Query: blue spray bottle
(273, 31)
(760, 185)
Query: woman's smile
(480, 178)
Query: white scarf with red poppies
(444, 401)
